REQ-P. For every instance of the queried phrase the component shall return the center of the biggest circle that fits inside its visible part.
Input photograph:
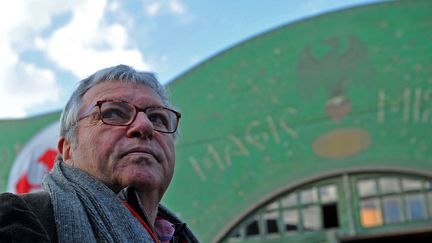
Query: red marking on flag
(48, 158)
(24, 186)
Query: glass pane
(367, 187)
(252, 227)
(370, 213)
(311, 218)
(328, 193)
(416, 209)
(428, 184)
(272, 206)
(290, 200)
(392, 209)
(291, 220)
(234, 236)
(308, 196)
(411, 184)
(389, 185)
(430, 203)
(271, 220)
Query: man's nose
(142, 127)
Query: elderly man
(117, 133)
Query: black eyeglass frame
(137, 109)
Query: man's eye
(158, 120)
(114, 114)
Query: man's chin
(142, 177)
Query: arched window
(346, 205)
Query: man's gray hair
(119, 73)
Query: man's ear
(65, 149)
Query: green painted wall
(345, 90)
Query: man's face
(121, 156)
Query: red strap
(136, 215)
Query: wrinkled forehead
(137, 94)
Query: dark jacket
(30, 218)
(27, 218)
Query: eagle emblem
(335, 71)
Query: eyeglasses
(122, 113)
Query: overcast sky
(46, 46)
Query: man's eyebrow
(113, 98)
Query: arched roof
(344, 90)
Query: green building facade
(316, 131)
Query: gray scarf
(85, 210)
